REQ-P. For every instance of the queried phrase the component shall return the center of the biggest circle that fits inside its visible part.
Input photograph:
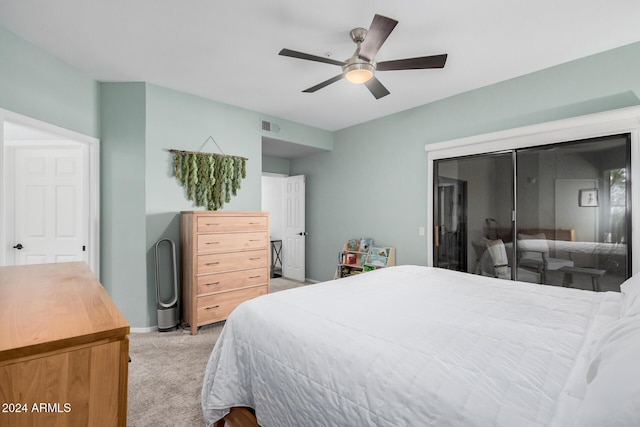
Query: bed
(421, 346)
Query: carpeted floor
(166, 372)
(281, 283)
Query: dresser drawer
(231, 261)
(232, 223)
(216, 307)
(233, 280)
(224, 242)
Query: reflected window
(617, 179)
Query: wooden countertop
(46, 307)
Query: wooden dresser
(225, 261)
(63, 348)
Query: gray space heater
(168, 315)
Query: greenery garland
(209, 179)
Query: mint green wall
(298, 133)
(122, 184)
(386, 197)
(176, 120)
(145, 121)
(380, 164)
(136, 124)
(38, 85)
(275, 165)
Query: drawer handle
(254, 240)
(255, 258)
(212, 243)
(211, 284)
(213, 263)
(254, 277)
(209, 223)
(254, 223)
(212, 308)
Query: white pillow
(612, 396)
(630, 301)
(592, 355)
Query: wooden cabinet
(63, 348)
(225, 261)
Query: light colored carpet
(167, 369)
(282, 283)
(165, 376)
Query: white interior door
(293, 249)
(50, 213)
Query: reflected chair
(493, 261)
(533, 252)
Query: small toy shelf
(361, 255)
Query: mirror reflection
(555, 215)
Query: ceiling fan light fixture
(362, 65)
(358, 73)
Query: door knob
(303, 233)
(18, 246)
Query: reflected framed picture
(588, 197)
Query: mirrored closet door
(465, 216)
(556, 214)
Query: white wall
(272, 202)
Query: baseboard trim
(144, 330)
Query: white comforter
(406, 346)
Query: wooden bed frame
(238, 417)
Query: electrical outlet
(421, 231)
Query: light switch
(421, 231)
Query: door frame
(623, 120)
(281, 218)
(291, 271)
(90, 145)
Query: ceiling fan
(361, 66)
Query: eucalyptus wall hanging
(209, 179)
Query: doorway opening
(284, 198)
(49, 189)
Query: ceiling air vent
(270, 127)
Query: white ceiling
(227, 50)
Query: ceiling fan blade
(377, 89)
(420, 63)
(378, 32)
(301, 55)
(324, 83)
